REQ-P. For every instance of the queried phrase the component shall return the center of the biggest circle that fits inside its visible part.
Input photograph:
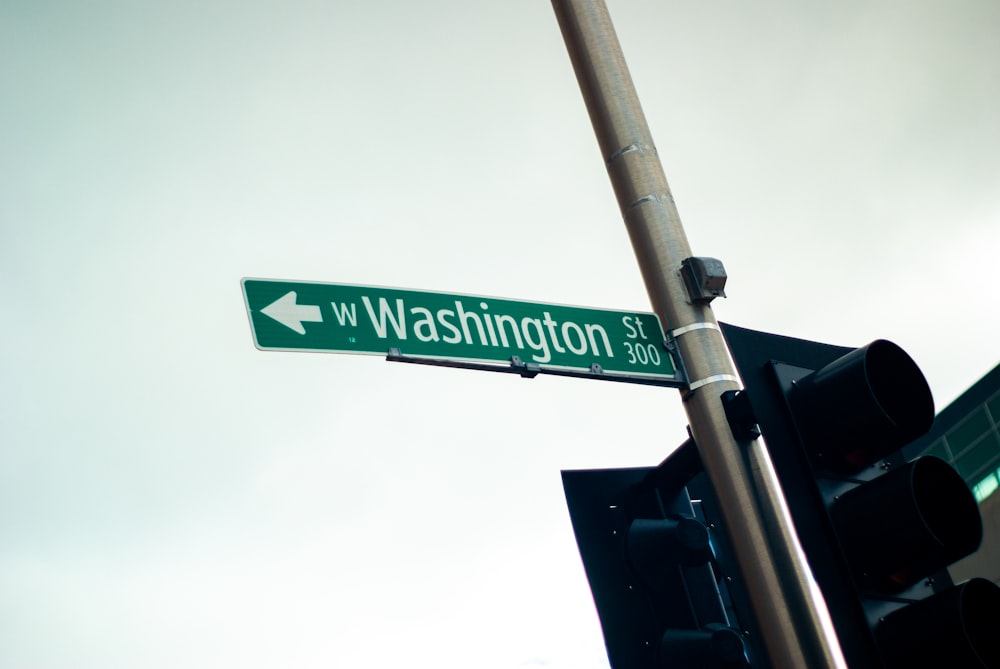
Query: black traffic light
(660, 576)
(878, 532)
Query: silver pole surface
(740, 474)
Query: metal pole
(762, 537)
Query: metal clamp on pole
(671, 344)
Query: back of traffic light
(660, 575)
(878, 532)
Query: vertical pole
(751, 502)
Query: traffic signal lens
(908, 523)
(899, 387)
(954, 628)
(656, 546)
(862, 406)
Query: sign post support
(740, 472)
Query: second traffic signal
(666, 591)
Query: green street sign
(459, 330)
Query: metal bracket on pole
(739, 412)
(670, 345)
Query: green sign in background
(299, 316)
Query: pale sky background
(172, 497)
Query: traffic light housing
(662, 577)
(878, 532)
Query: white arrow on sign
(292, 315)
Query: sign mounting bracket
(530, 370)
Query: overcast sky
(171, 496)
